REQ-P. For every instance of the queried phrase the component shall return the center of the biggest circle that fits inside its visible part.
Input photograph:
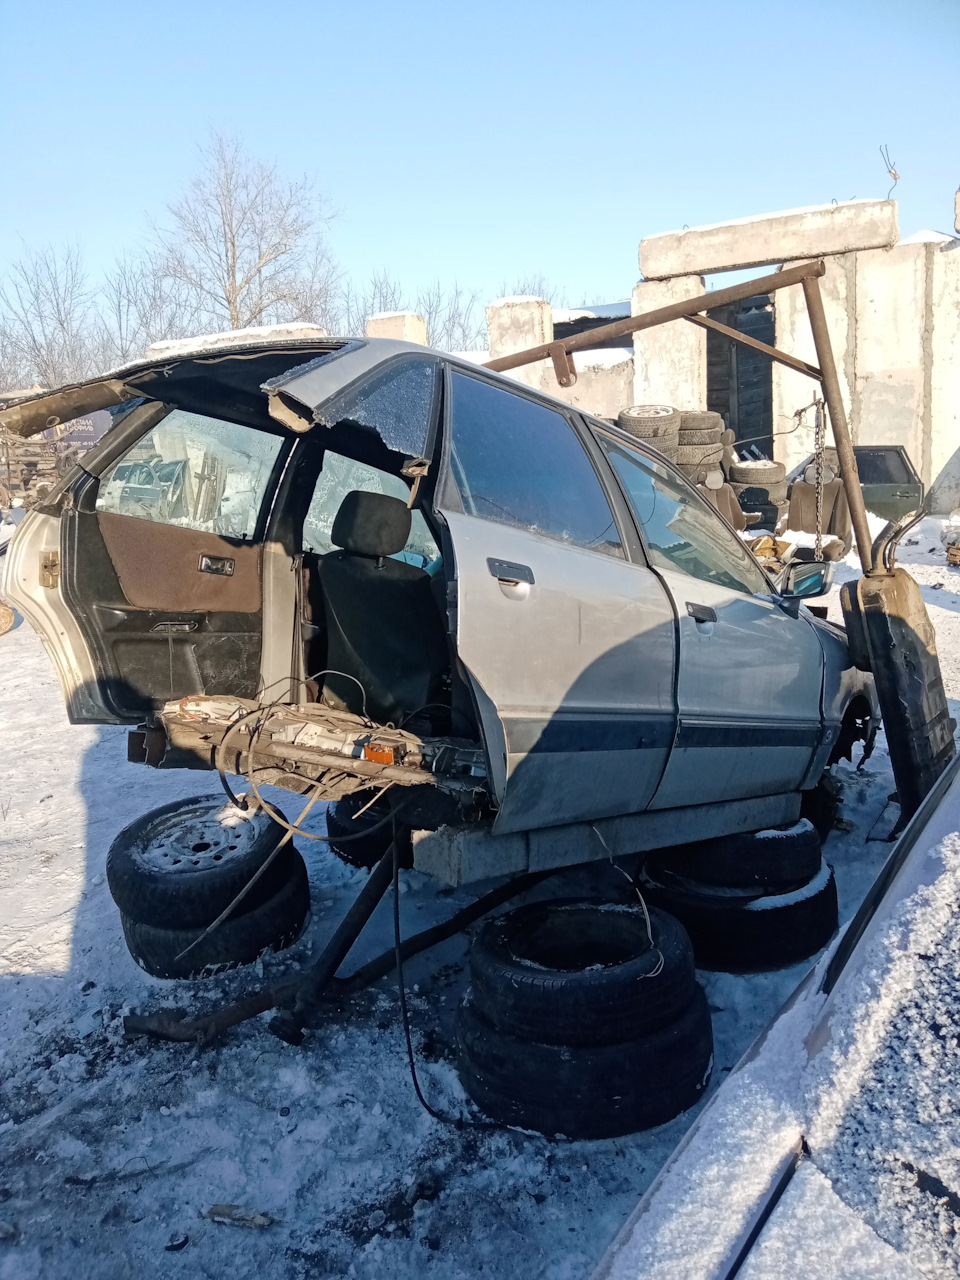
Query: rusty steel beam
(838, 420)
(781, 357)
(662, 315)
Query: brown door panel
(159, 567)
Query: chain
(819, 435)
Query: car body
(565, 634)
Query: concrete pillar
(406, 326)
(792, 391)
(514, 324)
(670, 361)
(944, 339)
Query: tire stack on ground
(699, 445)
(749, 902)
(582, 1021)
(657, 425)
(760, 486)
(175, 870)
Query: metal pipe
(781, 357)
(662, 315)
(838, 417)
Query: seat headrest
(371, 524)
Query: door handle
(222, 566)
(508, 571)
(701, 612)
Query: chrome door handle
(508, 571)
(701, 612)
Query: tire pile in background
(691, 441)
(760, 486)
(174, 871)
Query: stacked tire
(751, 903)
(760, 486)
(657, 425)
(583, 1020)
(174, 871)
(699, 446)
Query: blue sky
(479, 142)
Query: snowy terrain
(112, 1152)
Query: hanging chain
(819, 435)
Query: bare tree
(140, 304)
(247, 244)
(47, 307)
(452, 319)
(381, 293)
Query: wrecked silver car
(344, 566)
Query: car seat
(384, 632)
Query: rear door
(159, 563)
(750, 678)
(569, 643)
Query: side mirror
(804, 581)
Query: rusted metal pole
(662, 315)
(781, 357)
(838, 417)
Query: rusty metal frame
(807, 275)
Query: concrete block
(513, 324)
(793, 391)
(891, 405)
(944, 357)
(460, 855)
(406, 326)
(956, 213)
(670, 361)
(770, 238)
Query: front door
(750, 674)
(160, 562)
(569, 645)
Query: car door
(750, 674)
(158, 567)
(570, 646)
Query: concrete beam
(670, 361)
(777, 237)
(406, 326)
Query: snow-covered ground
(112, 1151)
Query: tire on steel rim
(780, 858)
(736, 931)
(184, 863)
(646, 421)
(579, 973)
(274, 924)
(595, 1091)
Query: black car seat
(383, 626)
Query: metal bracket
(563, 365)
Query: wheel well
(857, 725)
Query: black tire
(704, 455)
(701, 420)
(579, 973)
(821, 805)
(769, 515)
(759, 495)
(601, 1091)
(762, 472)
(780, 858)
(646, 421)
(700, 437)
(362, 849)
(663, 444)
(157, 876)
(274, 924)
(735, 931)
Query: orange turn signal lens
(378, 753)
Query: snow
(109, 1149)
(772, 901)
(297, 329)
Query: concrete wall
(670, 361)
(605, 379)
(894, 319)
